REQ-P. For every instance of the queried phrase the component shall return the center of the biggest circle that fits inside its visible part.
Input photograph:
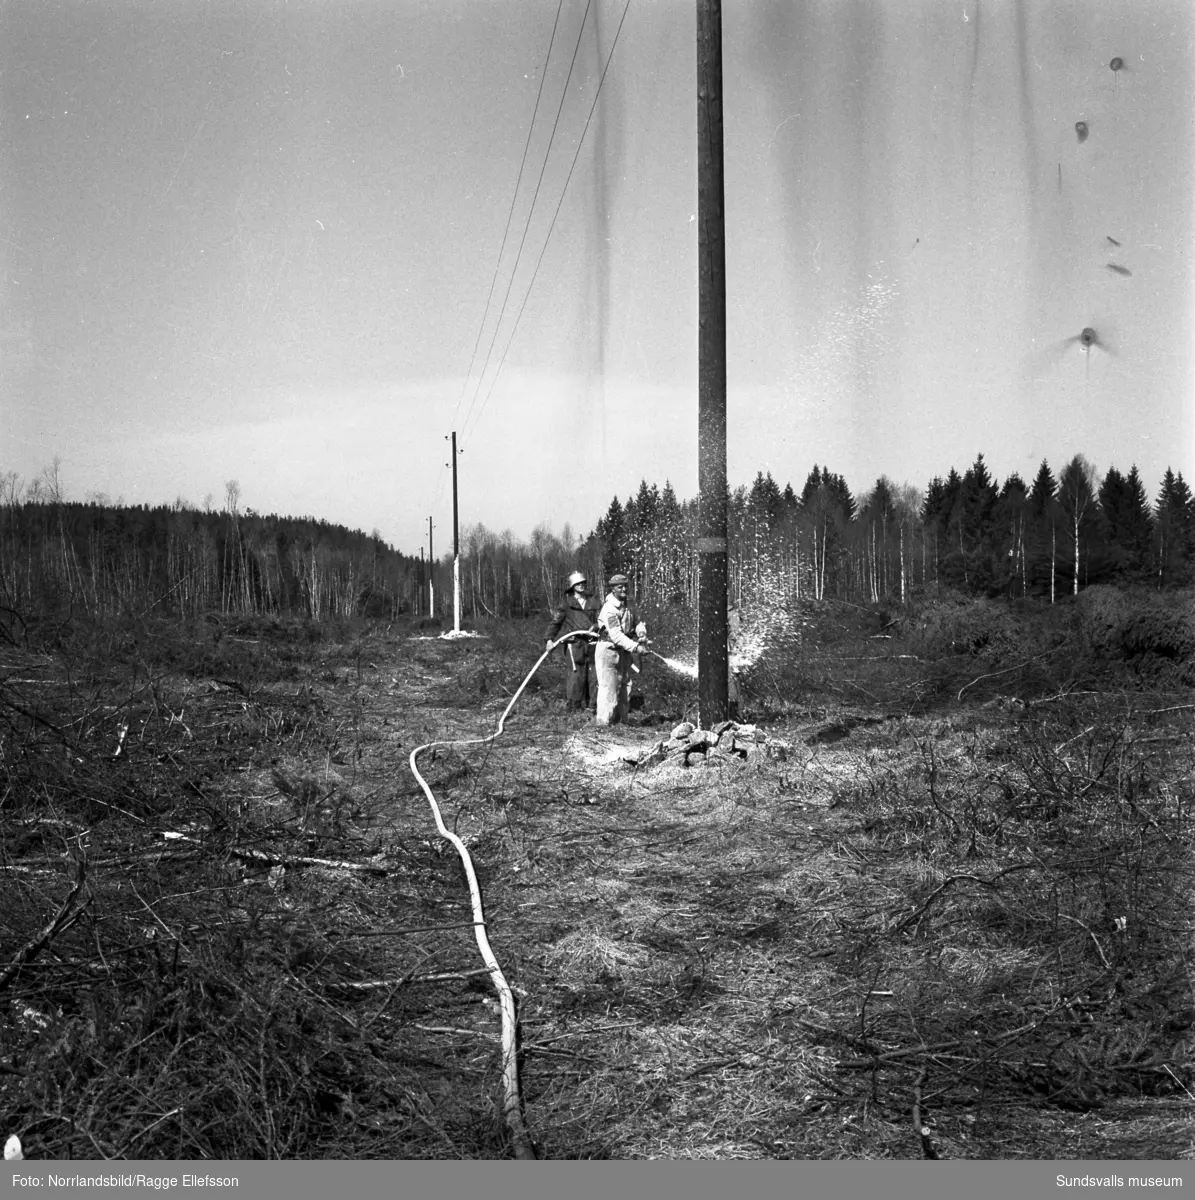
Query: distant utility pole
(712, 664)
(431, 572)
(456, 547)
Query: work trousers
(613, 667)
(579, 689)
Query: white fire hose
(512, 1104)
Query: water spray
(674, 664)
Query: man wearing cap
(579, 611)
(622, 638)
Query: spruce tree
(813, 481)
(647, 506)
(1174, 531)
(765, 499)
(1112, 505)
(950, 537)
(790, 501)
(610, 533)
(932, 509)
(1011, 527)
(669, 508)
(1128, 525)
(1043, 531)
(976, 510)
(1136, 526)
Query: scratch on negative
(780, 127)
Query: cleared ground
(960, 884)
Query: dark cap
(615, 580)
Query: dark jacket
(571, 616)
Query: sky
(260, 240)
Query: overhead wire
(510, 215)
(552, 224)
(497, 266)
(530, 212)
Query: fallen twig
(152, 1125)
(481, 1033)
(864, 1064)
(1153, 712)
(367, 985)
(927, 1146)
(1103, 956)
(1063, 745)
(852, 1041)
(65, 917)
(1166, 1068)
(701, 1068)
(116, 808)
(1065, 695)
(1006, 670)
(40, 720)
(41, 865)
(918, 913)
(286, 860)
(362, 933)
(283, 860)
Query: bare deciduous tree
(51, 482)
(10, 489)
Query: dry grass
(988, 902)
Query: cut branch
(1006, 670)
(923, 1132)
(66, 916)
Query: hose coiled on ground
(512, 1105)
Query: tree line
(969, 532)
(1046, 538)
(98, 558)
(101, 558)
(965, 531)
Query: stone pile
(727, 741)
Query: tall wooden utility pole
(456, 548)
(712, 664)
(431, 572)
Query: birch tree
(1077, 486)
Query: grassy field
(948, 914)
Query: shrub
(1153, 634)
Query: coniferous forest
(1047, 537)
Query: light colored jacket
(619, 624)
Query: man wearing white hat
(579, 611)
(622, 638)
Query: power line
(510, 215)
(531, 210)
(552, 225)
